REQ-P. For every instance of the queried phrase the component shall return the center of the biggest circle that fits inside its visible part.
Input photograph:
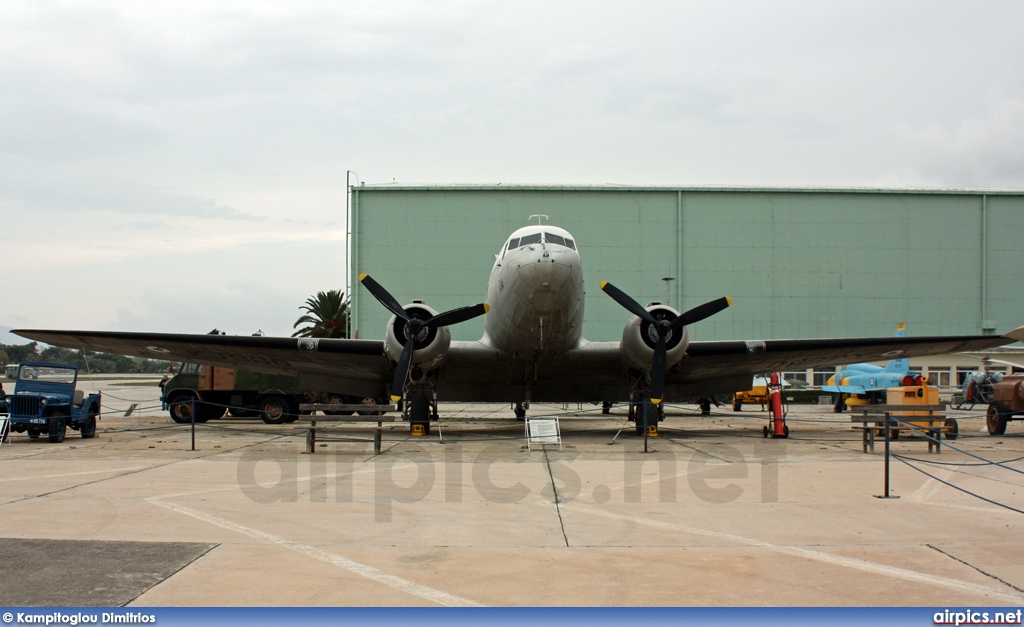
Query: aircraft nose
(546, 271)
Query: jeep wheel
(57, 427)
(180, 406)
(88, 429)
(274, 410)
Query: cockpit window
(513, 243)
(570, 243)
(551, 238)
(533, 238)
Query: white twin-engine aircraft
(532, 349)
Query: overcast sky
(179, 166)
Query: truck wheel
(369, 412)
(995, 418)
(88, 429)
(180, 406)
(274, 410)
(57, 427)
(340, 400)
(238, 412)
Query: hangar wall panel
(798, 263)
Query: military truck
(45, 400)
(216, 391)
(1007, 403)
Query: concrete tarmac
(714, 515)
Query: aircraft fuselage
(536, 295)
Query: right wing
(352, 364)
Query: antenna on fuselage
(540, 217)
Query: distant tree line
(98, 362)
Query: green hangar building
(798, 263)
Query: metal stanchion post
(193, 403)
(887, 494)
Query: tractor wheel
(995, 418)
(274, 410)
(57, 427)
(952, 429)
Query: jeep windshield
(55, 374)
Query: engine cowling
(431, 343)
(639, 339)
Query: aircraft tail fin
(899, 365)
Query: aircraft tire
(952, 429)
(419, 412)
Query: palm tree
(326, 316)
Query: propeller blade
(658, 371)
(701, 312)
(383, 296)
(456, 316)
(402, 371)
(626, 301)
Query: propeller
(414, 327)
(664, 329)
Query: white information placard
(543, 431)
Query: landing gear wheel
(274, 410)
(88, 429)
(520, 412)
(705, 407)
(785, 431)
(952, 429)
(995, 418)
(737, 405)
(57, 428)
(764, 432)
(654, 416)
(180, 406)
(419, 413)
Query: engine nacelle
(639, 339)
(431, 344)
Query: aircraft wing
(714, 359)
(359, 362)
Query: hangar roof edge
(390, 187)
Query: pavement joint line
(69, 474)
(398, 583)
(968, 564)
(554, 491)
(828, 558)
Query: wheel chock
(418, 431)
(652, 431)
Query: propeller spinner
(414, 327)
(664, 329)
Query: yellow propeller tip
(603, 283)
(486, 307)
(363, 276)
(655, 401)
(395, 399)
(728, 300)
